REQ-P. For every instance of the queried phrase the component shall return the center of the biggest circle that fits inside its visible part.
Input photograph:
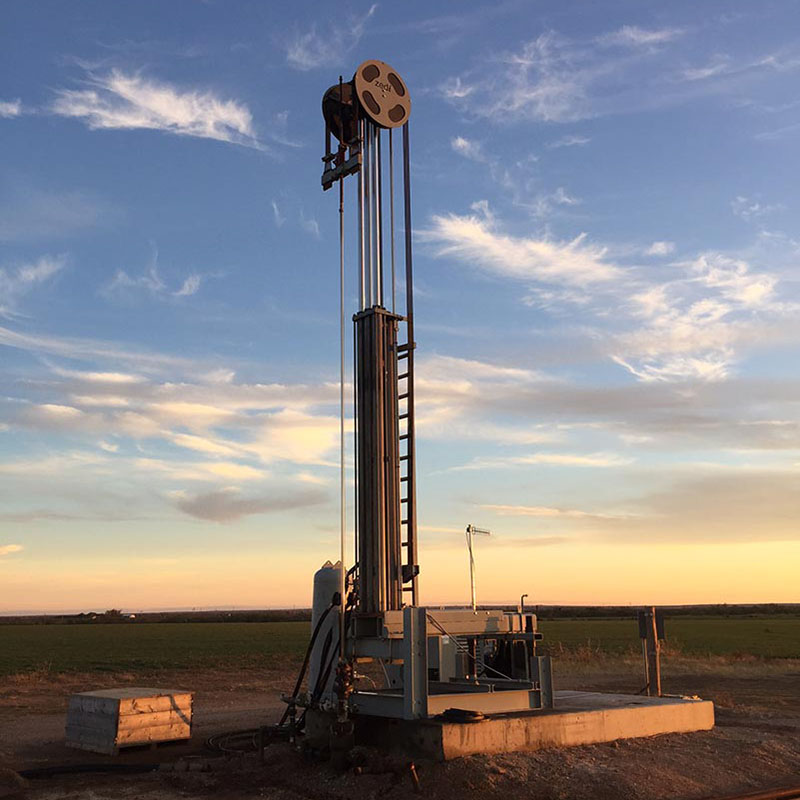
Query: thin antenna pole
(391, 213)
(471, 569)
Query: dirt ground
(755, 744)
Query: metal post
(653, 654)
(415, 663)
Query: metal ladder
(407, 464)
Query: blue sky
(606, 251)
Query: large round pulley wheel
(340, 112)
(382, 94)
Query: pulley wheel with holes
(382, 93)
(341, 112)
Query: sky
(606, 245)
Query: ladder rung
(404, 544)
(402, 375)
(404, 436)
(404, 416)
(401, 348)
(404, 477)
(402, 396)
(404, 458)
(408, 588)
(404, 522)
(403, 499)
(402, 355)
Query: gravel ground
(756, 743)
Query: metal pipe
(357, 553)
(361, 217)
(342, 474)
(391, 214)
(375, 213)
(379, 201)
(368, 209)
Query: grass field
(265, 645)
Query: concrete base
(578, 718)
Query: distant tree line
(118, 617)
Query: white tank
(326, 587)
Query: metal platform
(579, 718)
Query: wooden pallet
(110, 719)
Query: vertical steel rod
(368, 205)
(375, 215)
(379, 200)
(361, 217)
(357, 554)
(391, 214)
(342, 475)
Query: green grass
(150, 646)
(768, 637)
(141, 647)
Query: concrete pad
(578, 718)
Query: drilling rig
(460, 663)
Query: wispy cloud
(277, 216)
(544, 204)
(106, 351)
(692, 326)
(557, 79)
(17, 281)
(227, 505)
(510, 180)
(572, 140)
(601, 460)
(546, 512)
(309, 225)
(129, 101)
(743, 505)
(469, 148)
(189, 286)
(750, 209)
(9, 549)
(477, 240)
(150, 281)
(634, 36)
(329, 46)
(10, 108)
(540, 82)
(28, 213)
(722, 65)
(660, 249)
